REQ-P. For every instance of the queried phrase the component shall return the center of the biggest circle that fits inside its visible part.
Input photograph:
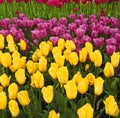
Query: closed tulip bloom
(48, 93)
(23, 97)
(12, 91)
(31, 66)
(77, 78)
(53, 70)
(37, 80)
(60, 59)
(9, 38)
(20, 76)
(67, 52)
(90, 78)
(115, 59)
(111, 107)
(42, 64)
(108, 70)
(98, 86)
(62, 74)
(2, 41)
(3, 100)
(86, 111)
(12, 47)
(92, 56)
(83, 86)
(69, 44)
(1, 88)
(71, 90)
(89, 47)
(45, 48)
(83, 55)
(0, 56)
(56, 51)
(14, 108)
(53, 114)
(73, 58)
(97, 58)
(36, 55)
(4, 80)
(6, 59)
(23, 62)
(15, 54)
(50, 45)
(61, 43)
(22, 45)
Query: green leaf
(81, 102)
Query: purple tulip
(35, 34)
(98, 41)
(114, 21)
(110, 49)
(54, 40)
(79, 32)
(72, 17)
(94, 34)
(77, 42)
(43, 33)
(80, 16)
(63, 21)
(111, 41)
(4, 32)
(78, 22)
(113, 31)
(72, 26)
(93, 16)
(28, 23)
(53, 21)
(67, 36)
(85, 39)
(36, 42)
(84, 20)
(106, 30)
(21, 15)
(117, 36)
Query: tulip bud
(12, 91)
(14, 108)
(59, 59)
(83, 55)
(9, 38)
(3, 100)
(47, 93)
(61, 43)
(53, 114)
(67, 52)
(86, 111)
(71, 90)
(108, 70)
(2, 41)
(89, 47)
(22, 45)
(83, 86)
(111, 107)
(69, 44)
(37, 80)
(62, 74)
(98, 86)
(6, 59)
(20, 76)
(42, 64)
(90, 78)
(23, 97)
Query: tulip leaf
(99, 103)
(81, 102)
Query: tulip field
(59, 59)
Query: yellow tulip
(48, 93)
(86, 111)
(66, 53)
(98, 85)
(71, 90)
(14, 108)
(92, 56)
(53, 70)
(15, 54)
(73, 58)
(108, 70)
(31, 67)
(23, 62)
(61, 43)
(89, 47)
(45, 48)
(111, 107)
(3, 100)
(4, 80)
(90, 78)
(69, 44)
(77, 77)
(12, 47)
(97, 58)
(62, 74)
(87, 67)
(53, 114)
(12, 91)
(12, 68)
(9, 38)
(23, 97)
(60, 59)
(22, 45)
(2, 41)
(0, 56)
(1, 88)
(83, 55)
(56, 51)
(115, 59)
(36, 55)
(83, 86)
(6, 59)
(50, 45)
(42, 64)
(37, 80)
(20, 76)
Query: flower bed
(60, 67)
